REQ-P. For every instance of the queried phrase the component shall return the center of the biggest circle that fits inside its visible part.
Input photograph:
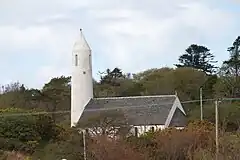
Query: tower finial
(80, 29)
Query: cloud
(53, 18)
(134, 36)
(130, 34)
(13, 36)
(205, 18)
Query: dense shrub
(46, 128)
(229, 119)
(69, 146)
(176, 144)
(39, 136)
(19, 127)
(29, 128)
(13, 156)
(16, 145)
(24, 132)
(193, 142)
(109, 149)
(170, 144)
(230, 146)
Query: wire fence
(207, 102)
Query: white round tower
(82, 84)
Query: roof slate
(140, 110)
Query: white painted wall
(140, 130)
(144, 129)
(82, 84)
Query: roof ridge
(129, 97)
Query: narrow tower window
(76, 60)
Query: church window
(152, 129)
(136, 131)
(76, 60)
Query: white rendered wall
(143, 129)
(140, 129)
(82, 84)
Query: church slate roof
(139, 110)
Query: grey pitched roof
(139, 110)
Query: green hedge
(28, 128)
(25, 132)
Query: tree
(186, 81)
(12, 87)
(224, 87)
(229, 119)
(13, 95)
(233, 63)
(56, 93)
(209, 86)
(115, 83)
(112, 77)
(231, 67)
(156, 81)
(198, 57)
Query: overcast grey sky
(36, 37)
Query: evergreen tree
(231, 67)
(198, 57)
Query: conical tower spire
(81, 43)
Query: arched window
(90, 60)
(76, 60)
(152, 129)
(136, 131)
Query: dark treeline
(48, 136)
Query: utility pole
(84, 145)
(216, 126)
(201, 105)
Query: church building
(142, 113)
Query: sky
(36, 37)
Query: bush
(229, 115)
(13, 156)
(108, 149)
(229, 149)
(69, 146)
(29, 128)
(46, 128)
(176, 144)
(24, 133)
(16, 145)
(3, 155)
(230, 146)
(20, 127)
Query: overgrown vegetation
(32, 127)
